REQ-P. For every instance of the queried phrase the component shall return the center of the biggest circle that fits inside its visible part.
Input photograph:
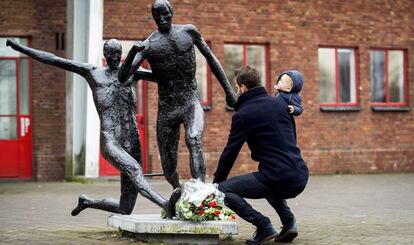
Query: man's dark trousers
(247, 186)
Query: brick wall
(331, 142)
(336, 142)
(40, 20)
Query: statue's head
(112, 52)
(162, 12)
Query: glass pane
(344, 76)
(347, 85)
(9, 52)
(256, 58)
(327, 84)
(8, 128)
(201, 76)
(140, 97)
(233, 61)
(396, 75)
(24, 87)
(378, 82)
(126, 47)
(8, 87)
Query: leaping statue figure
(116, 105)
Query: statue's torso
(172, 60)
(116, 106)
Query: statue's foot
(170, 204)
(81, 205)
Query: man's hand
(138, 46)
(291, 108)
(11, 42)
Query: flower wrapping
(200, 202)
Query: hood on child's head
(297, 79)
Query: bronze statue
(170, 52)
(120, 144)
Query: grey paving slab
(338, 209)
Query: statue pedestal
(151, 228)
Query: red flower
(212, 204)
(201, 212)
(217, 212)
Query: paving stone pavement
(336, 209)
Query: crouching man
(265, 124)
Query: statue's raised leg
(120, 159)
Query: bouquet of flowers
(201, 202)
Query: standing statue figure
(170, 52)
(116, 106)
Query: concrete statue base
(152, 228)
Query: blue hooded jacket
(293, 97)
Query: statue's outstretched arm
(144, 74)
(132, 62)
(51, 59)
(215, 66)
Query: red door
(15, 115)
(141, 105)
(106, 169)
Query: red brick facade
(331, 142)
(40, 21)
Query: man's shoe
(262, 235)
(287, 234)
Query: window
(236, 56)
(337, 77)
(388, 78)
(203, 78)
(14, 90)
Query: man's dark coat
(265, 124)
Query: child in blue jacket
(288, 85)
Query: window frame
(267, 67)
(144, 141)
(337, 105)
(387, 105)
(206, 104)
(18, 115)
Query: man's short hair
(248, 77)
